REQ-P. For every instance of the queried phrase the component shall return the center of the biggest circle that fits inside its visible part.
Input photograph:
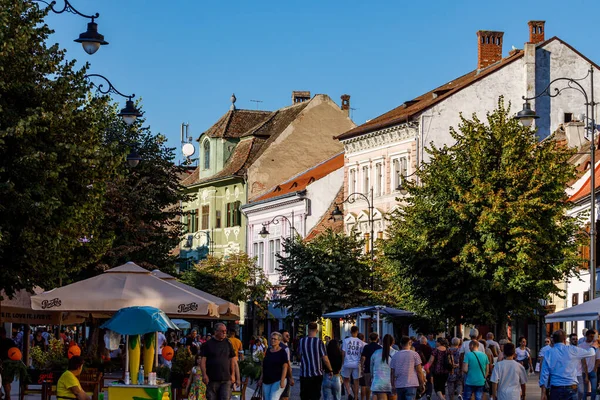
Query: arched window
(206, 154)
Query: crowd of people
(376, 368)
(413, 368)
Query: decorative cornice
(381, 137)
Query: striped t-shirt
(312, 351)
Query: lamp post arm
(570, 83)
(68, 7)
(350, 199)
(111, 88)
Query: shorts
(347, 372)
(366, 379)
(286, 391)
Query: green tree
(485, 233)
(326, 274)
(236, 278)
(142, 212)
(53, 162)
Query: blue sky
(185, 58)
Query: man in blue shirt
(559, 368)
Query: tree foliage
(326, 274)
(236, 278)
(51, 151)
(485, 233)
(141, 211)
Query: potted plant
(182, 365)
(14, 369)
(50, 364)
(250, 369)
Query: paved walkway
(533, 390)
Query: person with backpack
(440, 365)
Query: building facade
(299, 206)
(417, 123)
(245, 154)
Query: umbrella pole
(126, 353)
(156, 350)
(377, 321)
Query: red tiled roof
(262, 128)
(584, 190)
(406, 111)
(237, 122)
(409, 109)
(300, 182)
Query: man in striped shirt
(312, 358)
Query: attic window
(440, 92)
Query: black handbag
(258, 393)
(486, 385)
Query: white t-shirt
(590, 361)
(522, 354)
(544, 349)
(352, 346)
(509, 375)
(161, 340)
(464, 349)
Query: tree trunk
(502, 325)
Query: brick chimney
(346, 103)
(300, 96)
(536, 31)
(489, 48)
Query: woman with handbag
(524, 355)
(440, 364)
(274, 371)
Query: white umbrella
(18, 311)
(181, 323)
(125, 286)
(226, 308)
(588, 311)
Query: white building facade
(294, 207)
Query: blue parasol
(139, 320)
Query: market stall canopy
(125, 286)
(18, 311)
(181, 323)
(383, 310)
(588, 311)
(139, 321)
(226, 308)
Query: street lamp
(91, 40)
(264, 232)
(526, 117)
(338, 215)
(198, 235)
(130, 113)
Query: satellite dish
(188, 149)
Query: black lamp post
(338, 215)
(198, 235)
(91, 40)
(129, 114)
(526, 117)
(264, 231)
